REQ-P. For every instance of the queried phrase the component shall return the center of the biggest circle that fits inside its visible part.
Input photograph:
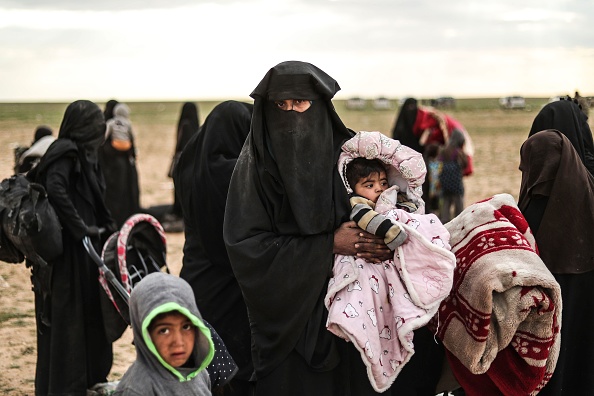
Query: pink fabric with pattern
(378, 306)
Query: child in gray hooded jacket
(173, 345)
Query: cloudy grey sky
(63, 50)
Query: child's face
(174, 335)
(372, 186)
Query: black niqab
(83, 123)
(567, 117)
(285, 201)
(403, 129)
(109, 107)
(187, 125)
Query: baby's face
(173, 335)
(372, 186)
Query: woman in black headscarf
(117, 157)
(403, 129)
(566, 116)
(557, 199)
(187, 127)
(73, 353)
(286, 214)
(201, 182)
(108, 111)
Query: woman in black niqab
(201, 182)
(187, 127)
(557, 199)
(109, 106)
(118, 164)
(403, 128)
(567, 117)
(73, 353)
(285, 217)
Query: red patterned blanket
(500, 324)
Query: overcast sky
(199, 50)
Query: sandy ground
(496, 171)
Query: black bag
(8, 252)
(29, 222)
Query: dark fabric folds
(73, 353)
(567, 117)
(403, 128)
(285, 200)
(201, 183)
(552, 170)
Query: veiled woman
(187, 126)
(117, 157)
(403, 128)
(201, 182)
(286, 214)
(73, 353)
(557, 199)
(567, 117)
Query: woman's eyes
(298, 105)
(164, 330)
(187, 326)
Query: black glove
(93, 232)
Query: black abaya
(73, 351)
(557, 199)
(285, 201)
(122, 194)
(201, 183)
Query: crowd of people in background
(274, 220)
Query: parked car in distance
(512, 102)
(356, 104)
(382, 104)
(444, 102)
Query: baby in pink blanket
(378, 306)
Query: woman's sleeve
(57, 187)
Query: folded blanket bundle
(500, 324)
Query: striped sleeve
(377, 224)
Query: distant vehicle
(444, 102)
(512, 102)
(382, 104)
(356, 104)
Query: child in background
(173, 345)
(454, 161)
(433, 171)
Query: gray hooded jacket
(150, 374)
